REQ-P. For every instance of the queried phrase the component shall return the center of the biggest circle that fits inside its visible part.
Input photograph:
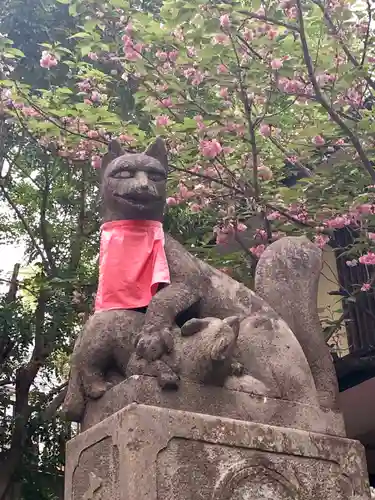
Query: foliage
(266, 107)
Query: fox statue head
(133, 186)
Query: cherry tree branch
(343, 45)
(321, 99)
(271, 20)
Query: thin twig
(323, 101)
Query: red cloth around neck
(132, 263)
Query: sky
(9, 256)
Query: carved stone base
(215, 401)
(149, 453)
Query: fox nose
(142, 180)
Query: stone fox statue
(134, 189)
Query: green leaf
(119, 3)
(81, 34)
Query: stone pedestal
(150, 453)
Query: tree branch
(344, 47)
(271, 20)
(27, 227)
(323, 101)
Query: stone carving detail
(95, 485)
(246, 480)
(272, 351)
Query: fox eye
(156, 176)
(123, 174)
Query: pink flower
(248, 35)
(95, 96)
(340, 142)
(292, 159)
(367, 259)
(366, 287)
(171, 201)
(258, 250)
(221, 39)
(84, 86)
(132, 55)
(48, 60)
(128, 42)
(197, 78)
(271, 35)
(292, 12)
(225, 21)
(96, 162)
(191, 52)
(93, 56)
(223, 92)
(194, 207)
(166, 103)
(274, 215)
(318, 140)
(87, 101)
(163, 56)
(173, 55)
(184, 192)
(276, 64)
(365, 209)
(129, 28)
(93, 134)
(338, 222)
(241, 227)
(321, 240)
(126, 138)
(265, 130)
(261, 234)
(162, 121)
(222, 69)
(210, 149)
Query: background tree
(267, 111)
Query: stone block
(215, 401)
(151, 453)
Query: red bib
(132, 263)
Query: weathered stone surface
(214, 401)
(148, 453)
(287, 277)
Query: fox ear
(114, 151)
(193, 326)
(234, 323)
(158, 151)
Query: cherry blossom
(265, 130)
(96, 162)
(225, 21)
(318, 140)
(258, 250)
(368, 259)
(172, 201)
(321, 240)
(162, 121)
(276, 64)
(210, 149)
(48, 60)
